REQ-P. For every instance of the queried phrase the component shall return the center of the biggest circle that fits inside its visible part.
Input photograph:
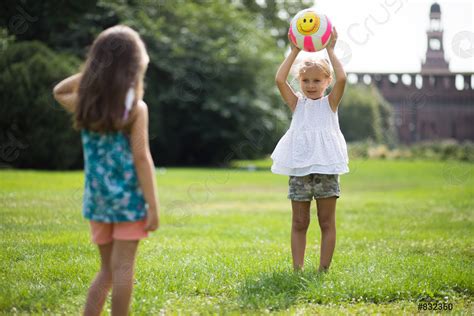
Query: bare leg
(327, 223)
(101, 285)
(299, 227)
(123, 262)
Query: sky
(390, 35)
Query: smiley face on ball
(308, 23)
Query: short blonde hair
(321, 63)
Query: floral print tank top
(111, 191)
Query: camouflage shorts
(313, 185)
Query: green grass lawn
(404, 235)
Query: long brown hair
(116, 62)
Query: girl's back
(111, 191)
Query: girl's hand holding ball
(293, 46)
(332, 42)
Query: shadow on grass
(277, 290)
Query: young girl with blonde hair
(313, 152)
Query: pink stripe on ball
(308, 44)
(326, 34)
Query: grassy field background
(404, 235)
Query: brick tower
(435, 62)
(433, 103)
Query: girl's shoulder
(139, 112)
(141, 108)
(301, 98)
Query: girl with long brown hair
(120, 199)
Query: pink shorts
(104, 233)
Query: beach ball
(310, 31)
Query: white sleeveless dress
(314, 142)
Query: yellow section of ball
(308, 24)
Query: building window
(419, 81)
(406, 79)
(352, 78)
(435, 44)
(367, 79)
(435, 24)
(459, 83)
(393, 78)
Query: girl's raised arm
(338, 90)
(65, 92)
(286, 91)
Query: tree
(210, 82)
(67, 26)
(36, 132)
(364, 114)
